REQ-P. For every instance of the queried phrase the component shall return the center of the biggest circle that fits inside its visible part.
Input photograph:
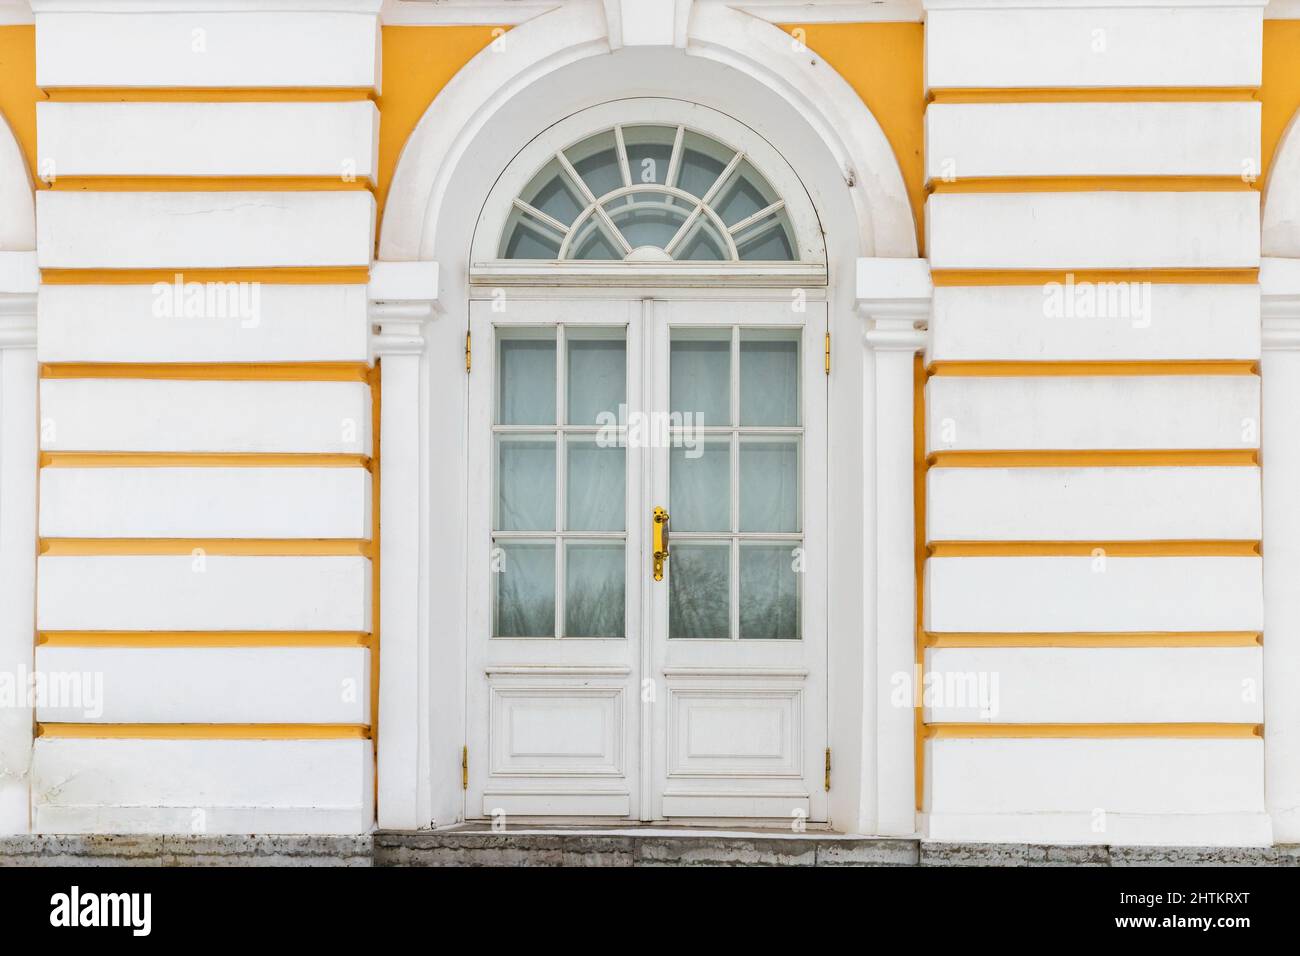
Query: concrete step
(481, 846)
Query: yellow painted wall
(884, 63)
(417, 63)
(1280, 92)
(18, 93)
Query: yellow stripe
(196, 94)
(206, 184)
(1046, 369)
(944, 278)
(280, 275)
(233, 547)
(1097, 639)
(1129, 94)
(1172, 731)
(203, 639)
(1097, 458)
(173, 459)
(224, 372)
(205, 731)
(1091, 184)
(1084, 549)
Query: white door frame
(551, 66)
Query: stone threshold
(479, 845)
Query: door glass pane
(596, 479)
(699, 591)
(597, 378)
(745, 194)
(703, 161)
(525, 589)
(649, 152)
(596, 160)
(648, 218)
(769, 378)
(702, 244)
(553, 193)
(592, 240)
(769, 592)
(525, 483)
(526, 377)
(594, 592)
(767, 241)
(769, 484)
(700, 377)
(699, 487)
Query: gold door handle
(660, 542)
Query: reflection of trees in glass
(772, 614)
(523, 610)
(598, 610)
(699, 597)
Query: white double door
(594, 689)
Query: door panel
(738, 642)
(592, 688)
(555, 631)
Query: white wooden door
(738, 624)
(593, 689)
(555, 627)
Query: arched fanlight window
(649, 193)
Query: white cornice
(15, 12)
(1081, 4)
(831, 11)
(464, 12)
(370, 7)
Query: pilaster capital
(895, 297)
(1279, 303)
(403, 296)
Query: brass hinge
(828, 768)
(464, 768)
(828, 353)
(469, 353)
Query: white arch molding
(545, 70)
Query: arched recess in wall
(553, 67)
(731, 62)
(17, 200)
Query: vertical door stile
(648, 686)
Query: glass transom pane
(561, 212)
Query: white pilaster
(17, 529)
(404, 298)
(894, 297)
(1280, 436)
